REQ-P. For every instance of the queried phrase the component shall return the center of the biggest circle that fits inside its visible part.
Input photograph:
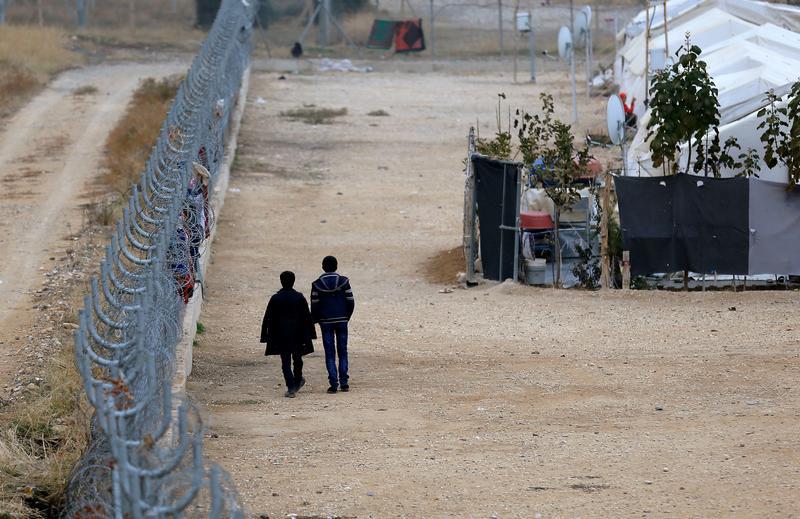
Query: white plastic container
(535, 271)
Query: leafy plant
(549, 143)
(781, 136)
(587, 269)
(685, 111)
(498, 147)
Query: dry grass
(86, 90)
(314, 115)
(130, 143)
(29, 57)
(42, 438)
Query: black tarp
(685, 222)
(496, 206)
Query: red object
(535, 220)
(408, 36)
(628, 108)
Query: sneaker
(300, 384)
(345, 388)
(289, 394)
(332, 389)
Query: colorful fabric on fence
(409, 37)
(705, 225)
(382, 34)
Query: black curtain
(496, 206)
(685, 222)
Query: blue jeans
(335, 332)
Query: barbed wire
(145, 457)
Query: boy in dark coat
(332, 306)
(288, 330)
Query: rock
(648, 482)
(659, 408)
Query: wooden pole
(469, 210)
(605, 281)
(40, 12)
(626, 270)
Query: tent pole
(666, 38)
(502, 224)
(647, 52)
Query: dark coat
(332, 299)
(287, 325)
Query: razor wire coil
(145, 458)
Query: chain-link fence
(107, 14)
(145, 457)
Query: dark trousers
(334, 339)
(292, 378)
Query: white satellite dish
(615, 119)
(581, 26)
(564, 44)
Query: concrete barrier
(183, 353)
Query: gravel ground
(497, 401)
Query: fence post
(626, 270)
(500, 24)
(80, 7)
(324, 23)
(2, 12)
(605, 281)
(433, 33)
(532, 45)
(469, 209)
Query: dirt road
(50, 153)
(498, 401)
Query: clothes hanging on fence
(729, 226)
(382, 34)
(409, 36)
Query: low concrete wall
(183, 353)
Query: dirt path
(50, 152)
(502, 400)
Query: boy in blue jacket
(332, 306)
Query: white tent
(744, 68)
(711, 23)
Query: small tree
(550, 141)
(781, 135)
(684, 110)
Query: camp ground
(561, 239)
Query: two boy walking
(288, 326)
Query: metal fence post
(433, 32)
(500, 25)
(80, 7)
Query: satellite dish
(564, 44)
(615, 119)
(581, 26)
